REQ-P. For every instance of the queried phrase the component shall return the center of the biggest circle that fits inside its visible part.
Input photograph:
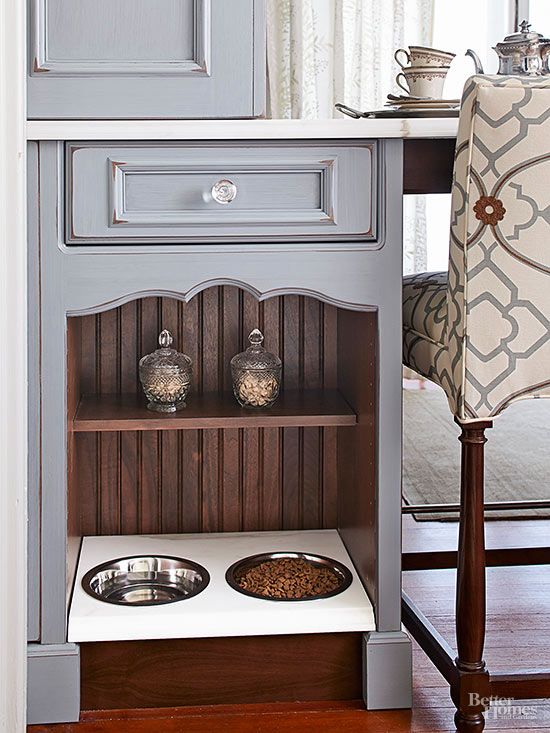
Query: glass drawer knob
(224, 191)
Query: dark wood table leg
(471, 690)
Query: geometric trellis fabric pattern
(482, 330)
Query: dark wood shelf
(294, 408)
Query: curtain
(325, 51)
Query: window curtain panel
(325, 51)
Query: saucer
(407, 110)
(408, 107)
(422, 103)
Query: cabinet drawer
(220, 193)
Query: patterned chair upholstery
(482, 330)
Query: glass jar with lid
(256, 374)
(165, 376)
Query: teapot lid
(523, 35)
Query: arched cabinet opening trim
(188, 295)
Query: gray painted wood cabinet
(68, 281)
(143, 59)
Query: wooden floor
(518, 638)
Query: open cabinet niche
(310, 464)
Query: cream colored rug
(517, 455)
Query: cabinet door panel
(104, 36)
(144, 59)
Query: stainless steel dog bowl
(145, 580)
(342, 573)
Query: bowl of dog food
(289, 576)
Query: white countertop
(340, 129)
(218, 610)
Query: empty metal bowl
(145, 580)
(238, 569)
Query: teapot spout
(477, 61)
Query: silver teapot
(525, 53)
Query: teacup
(423, 56)
(423, 81)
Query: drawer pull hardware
(224, 191)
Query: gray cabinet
(144, 59)
(322, 185)
(193, 193)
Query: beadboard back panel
(208, 480)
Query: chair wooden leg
(471, 689)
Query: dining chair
(482, 332)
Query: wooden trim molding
(13, 368)
(325, 170)
(217, 282)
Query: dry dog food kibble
(288, 578)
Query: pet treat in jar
(256, 374)
(165, 376)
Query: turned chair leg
(471, 689)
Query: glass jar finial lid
(165, 339)
(165, 376)
(256, 374)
